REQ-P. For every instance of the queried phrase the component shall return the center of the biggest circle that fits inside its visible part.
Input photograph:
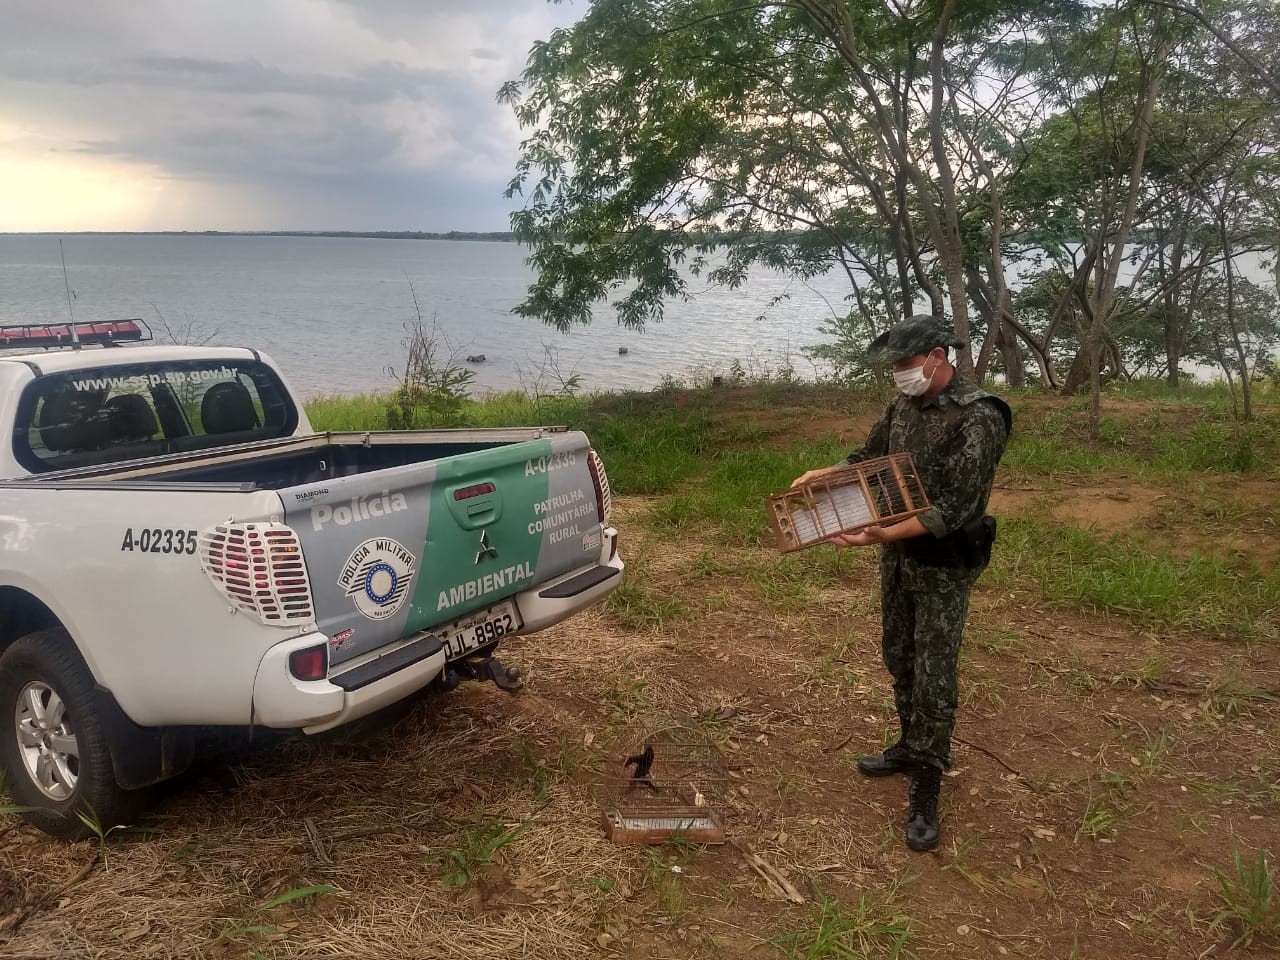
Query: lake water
(331, 311)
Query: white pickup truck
(179, 549)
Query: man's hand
(812, 475)
(868, 537)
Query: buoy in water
(622, 351)
(476, 358)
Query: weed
(1233, 698)
(113, 835)
(569, 757)
(624, 697)
(1154, 754)
(784, 596)
(676, 513)
(433, 386)
(975, 877)
(706, 565)
(1146, 674)
(1100, 819)
(787, 783)
(834, 668)
(1075, 567)
(717, 722)
(663, 878)
(255, 923)
(477, 845)
(999, 642)
(986, 690)
(637, 605)
(539, 777)
(1248, 895)
(867, 930)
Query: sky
(262, 114)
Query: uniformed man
(956, 434)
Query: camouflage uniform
(956, 440)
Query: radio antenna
(75, 337)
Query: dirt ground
(1101, 771)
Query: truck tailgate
(396, 551)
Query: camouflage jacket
(956, 440)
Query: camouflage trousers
(923, 609)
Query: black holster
(969, 546)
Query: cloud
(349, 114)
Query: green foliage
(662, 877)
(867, 930)
(672, 141)
(433, 386)
(255, 922)
(476, 847)
(639, 604)
(1077, 568)
(1248, 893)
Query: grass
(835, 667)
(1146, 674)
(255, 922)
(475, 847)
(1233, 697)
(1250, 907)
(865, 930)
(1075, 567)
(662, 876)
(640, 604)
(624, 697)
(1100, 819)
(717, 472)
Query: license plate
(480, 628)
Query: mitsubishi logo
(486, 550)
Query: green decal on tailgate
(482, 544)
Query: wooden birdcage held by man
(876, 492)
(667, 779)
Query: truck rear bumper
(549, 603)
(281, 700)
(391, 674)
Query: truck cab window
(142, 410)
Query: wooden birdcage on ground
(871, 493)
(665, 780)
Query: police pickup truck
(179, 549)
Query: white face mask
(913, 382)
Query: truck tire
(52, 745)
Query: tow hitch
(484, 668)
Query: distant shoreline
(491, 237)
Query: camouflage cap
(912, 336)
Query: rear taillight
(309, 664)
(600, 480)
(259, 568)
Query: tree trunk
(950, 246)
(1011, 358)
(1103, 300)
(1242, 356)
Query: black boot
(922, 812)
(897, 759)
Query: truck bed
(277, 464)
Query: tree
(1040, 171)
(808, 134)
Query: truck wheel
(52, 746)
